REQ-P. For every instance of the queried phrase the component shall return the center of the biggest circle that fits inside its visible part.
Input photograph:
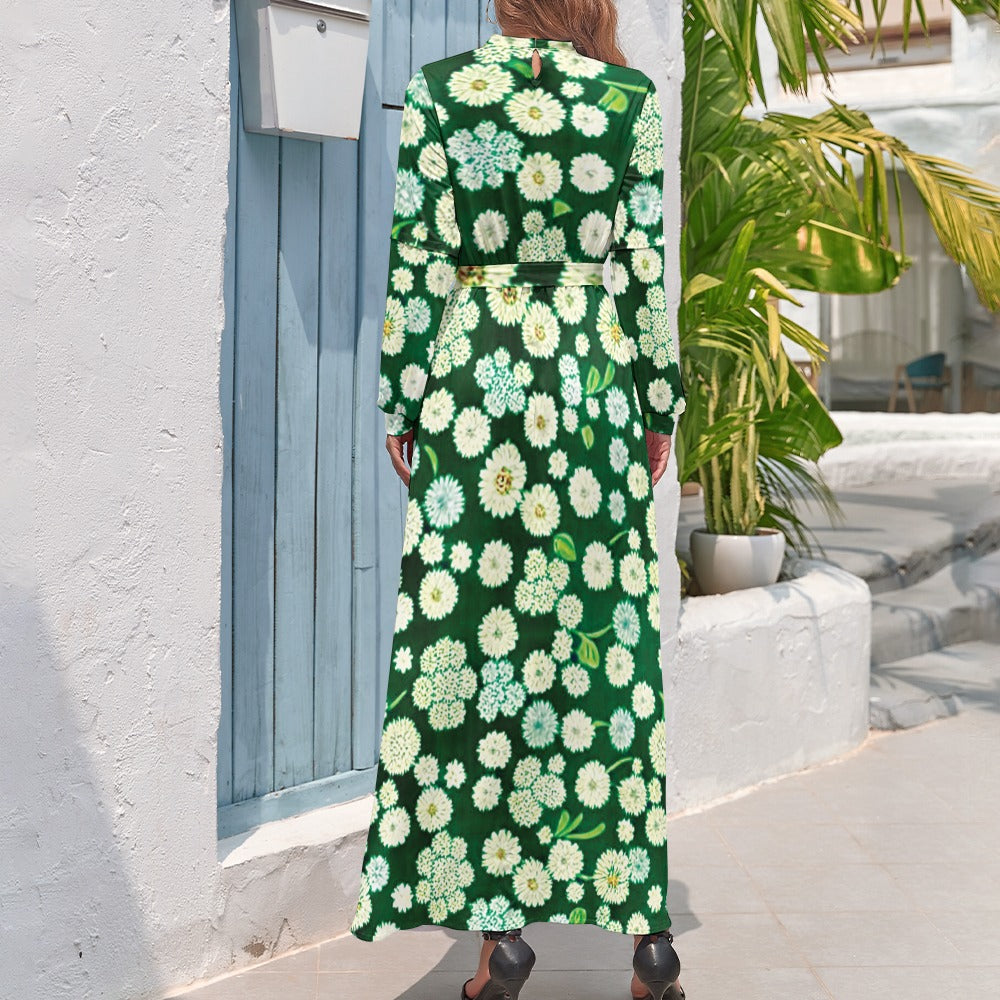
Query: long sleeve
(638, 265)
(423, 257)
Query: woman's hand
(658, 447)
(398, 446)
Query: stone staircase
(936, 628)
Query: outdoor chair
(925, 373)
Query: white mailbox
(302, 66)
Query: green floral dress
(522, 769)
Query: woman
(522, 764)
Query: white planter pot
(723, 563)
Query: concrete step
(958, 603)
(912, 530)
(917, 689)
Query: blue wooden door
(312, 511)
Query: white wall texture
(115, 120)
(116, 126)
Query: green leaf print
(566, 828)
(588, 652)
(589, 834)
(598, 633)
(588, 435)
(593, 380)
(564, 546)
(432, 455)
(609, 376)
(522, 67)
(619, 763)
(559, 207)
(398, 699)
(578, 916)
(613, 100)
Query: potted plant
(773, 203)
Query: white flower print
(461, 557)
(409, 194)
(533, 790)
(593, 407)
(412, 381)
(574, 892)
(413, 126)
(656, 825)
(616, 506)
(593, 784)
(576, 64)
(594, 233)
(618, 345)
(400, 746)
(413, 525)
(445, 874)
(619, 665)
(611, 876)
(590, 121)
(571, 303)
(438, 594)
(577, 730)
(582, 344)
(393, 327)
(643, 700)
(632, 574)
(433, 809)
(495, 563)
(402, 897)
(540, 510)
(445, 502)
(454, 774)
(499, 692)
(598, 566)
(472, 432)
(500, 387)
(591, 173)
(558, 464)
(440, 279)
(571, 89)
(508, 303)
(647, 265)
(484, 155)
(432, 548)
(570, 611)
(497, 632)
(540, 330)
(502, 480)
(532, 883)
(496, 914)
(394, 827)
(433, 163)
(621, 729)
(539, 672)
(618, 455)
(486, 793)
(658, 747)
(660, 395)
(535, 112)
(646, 204)
(565, 860)
(404, 611)
(540, 420)
(490, 231)
(444, 684)
(638, 480)
(540, 724)
(575, 678)
(479, 85)
(540, 177)
(616, 406)
(494, 750)
(501, 853)
(625, 831)
(584, 492)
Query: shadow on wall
(71, 920)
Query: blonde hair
(591, 25)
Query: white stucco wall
(115, 119)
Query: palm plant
(772, 204)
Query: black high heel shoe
(510, 965)
(657, 966)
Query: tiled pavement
(872, 877)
